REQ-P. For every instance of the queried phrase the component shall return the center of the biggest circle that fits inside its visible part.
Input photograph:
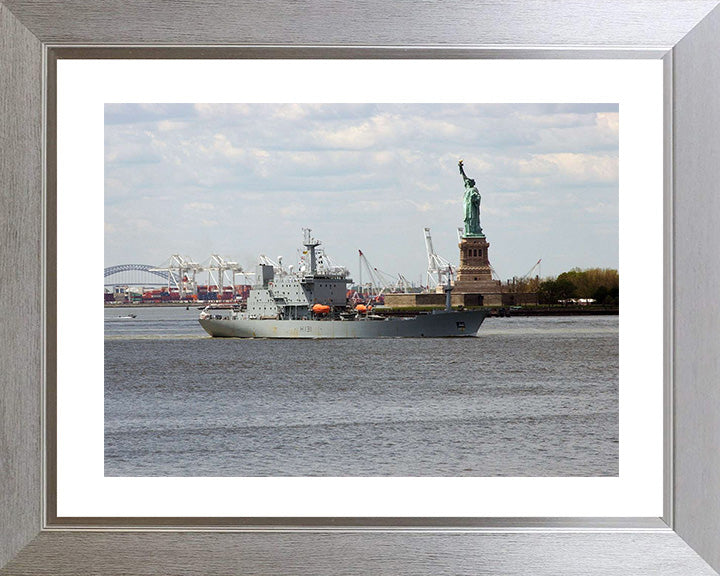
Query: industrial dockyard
(181, 281)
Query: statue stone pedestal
(474, 274)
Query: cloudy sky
(243, 179)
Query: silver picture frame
(685, 34)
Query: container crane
(265, 261)
(181, 272)
(437, 265)
(221, 266)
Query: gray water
(527, 397)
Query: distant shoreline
(494, 312)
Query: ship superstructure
(308, 294)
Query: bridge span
(135, 275)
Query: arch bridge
(136, 274)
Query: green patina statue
(472, 207)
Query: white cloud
(291, 112)
(424, 206)
(170, 125)
(608, 122)
(198, 206)
(584, 167)
(222, 111)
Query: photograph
(361, 290)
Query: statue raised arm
(462, 171)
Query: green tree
(588, 282)
(601, 294)
(551, 291)
(600, 284)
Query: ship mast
(310, 243)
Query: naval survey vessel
(313, 303)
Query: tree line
(599, 284)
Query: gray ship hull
(437, 325)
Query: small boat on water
(313, 304)
(127, 317)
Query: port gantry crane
(277, 266)
(218, 264)
(181, 272)
(438, 267)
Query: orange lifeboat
(321, 308)
(361, 308)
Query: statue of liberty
(472, 207)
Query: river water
(527, 397)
